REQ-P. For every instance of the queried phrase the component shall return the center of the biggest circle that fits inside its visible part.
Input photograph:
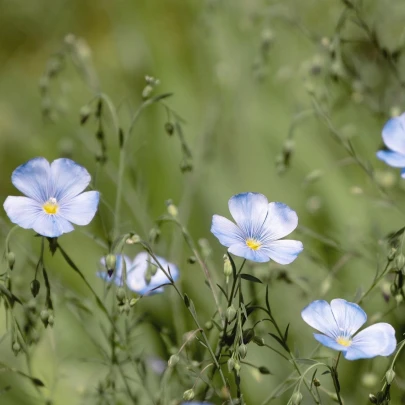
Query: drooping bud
(111, 262)
(173, 360)
(373, 399)
(16, 348)
(400, 261)
(208, 325)
(133, 239)
(231, 364)
(35, 286)
(172, 209)
(51, 320)
(230, 313)
(237, 367)
(264, 370)
(242, 350)
(44, 315)
(11, 260)
(85, 113)
(258, 340)
(248, 335)
(316, 382)
(389, 376)
(189, 395)
(192, 259)
(120, 294)
(296, 398)
(169, 128)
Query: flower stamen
(253, 244)
(51, 207)
(346, 342)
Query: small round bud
(227, 267)
(389, 376)
(147, 91)
(111, 261)
(258, 340)
(316, 382)
(242, 350)
(192, 259)
(173, 360)
(120, 294)
(399, 298)
(296, 398)
(208, 325)
(16, 348)
(237, 367)
(373, 399)
(35, 286)
(231, 364)
(85, 113)
(230, 313)
(169, 128)
(189, 395)
(172, 209)
(133, 239)
(248, 335)
(133, 302)
(51, 320)
(44, 315)
(264, 370)
(11, 260)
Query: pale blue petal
(281, 220)
(393, 134)
(349, 316)
(242, 250)
(226, 231)
(68, 179)
(283, 251)
(51, 226)
(80, 209)
(329, 342)
(376, 340)
(318, 314)
(32, 179)
(22, 211)
(393, 159)
(249, 210)
(403, 173)
(136, 275)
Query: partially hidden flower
(393, 135)
(144, 276)
(258, 230)
(338, 324)
(54, 197)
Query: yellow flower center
(51, 207)
(253, 244)
(344, 341)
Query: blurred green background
(247, 76)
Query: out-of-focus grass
(238, 110)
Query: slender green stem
(336, 380)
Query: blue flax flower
(259, 226)
(393, 135)
(137, 270)
(339, 322)
(54, 197)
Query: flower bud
(389, 376)
(227, 267)
(189, 395)
(392, 253)
(373, 399)
(44, 315)
(400, 261)
(16, 348)
(258, 340)
(147, 91)
(35, 286)
(51, 320)
(120, 294)
(231, 364)
(237, 367)
(11, 260)
(316, 382)
(173, 360)
(192, 259)
(264, 370)
(248, 335)
(242, 349)
(172, 209)
(169, 128)
(230, 313)
(296, 398)
(208, 325)
(132, 240)
(133, 302)
(399, 298)
(111, 261)
(85, 113)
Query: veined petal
(51, 226)
(393, 134)
(348, 315)
(393, 159)
(281, 220)
(32, 179)
(242, 250)
(22, 211)
(283, 251)
(329, 342)
(68, 179)
(80, 209)
(249, 210)
(226, 231)
(318, 314)
(376, 340)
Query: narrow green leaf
(251, 278)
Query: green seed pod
(248, 335)
(231, 364)
(169, 128)
(296, 398)
(111, 261)
(258, 340)
(16, 348)
(11, 260)
(44, 315)
(51, 320)
(227, 267)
